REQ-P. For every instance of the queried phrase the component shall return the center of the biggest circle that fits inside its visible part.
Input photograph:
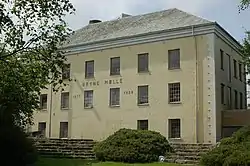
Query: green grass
(71, 162)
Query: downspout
(50, 110)
(197, 86)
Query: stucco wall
(222, 77)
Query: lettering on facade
(128, 92)
(90, 83)
(76, 96)
(114, 81)
(97, 83)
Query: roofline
(180, 32)
(227, 33)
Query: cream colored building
(167, 71)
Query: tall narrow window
(229, 68)
(43, 102)
(235, 68)
(65, 100)
(142, 124)
(142, 94)
(66, 71)
(88, 99)
(241, 101)
(229, 97)
(115, 66)
(174, 90)
(240, 71)
(42, 128)
(235, 99)
(143, 63)
(63, 130)
(174, 128)
(174, 59)
(222, 94)
(222, 59)
(114, 97)
(89, 69)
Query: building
(167, 71)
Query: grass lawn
(71, 162)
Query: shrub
(16, 148)
(127, 145)
(232, 151)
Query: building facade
(167, 71)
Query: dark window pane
(89, 69)
(143, 63)
(174, 59)
(115, 66)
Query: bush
(127, 145)
(16, 148)
(232, 151)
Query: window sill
(144, 72)
(175, 139)
(174, 69)
(115, 75)
(64, 109)
(43, 110)
(114, 106)
(90, 107)
(145, 104)
(175, 103)
(90, 78)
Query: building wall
(200, 77)
(101, 121)
(222, 76)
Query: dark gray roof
(134, 25)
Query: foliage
(231, 151)
(127, 145)
(30, 33)
(244, 4)
(16, 149)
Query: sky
(224, 12)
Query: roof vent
(94, 21)
(125, 15)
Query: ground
(69, 162)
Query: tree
(30, 33)
(244, 4)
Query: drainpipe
(50, 110)
(197, 86)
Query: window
(174, 128)
(222, 87)
(115, 66)
(229, 68)
(88, 99)
(174, 59)
(241, 101)
(229, 98)
(142, 95)
(63, 130)
(43, 101)
(65, 100)
(235, 99)
(240, 71)
(114, 99)
(222, 59)
(235, 68)
(42, 128)
(89, 69)
(142, 124)
(143, 63)
(66, 71)
(174, 90)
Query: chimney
(125, 15)
(94, 21)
